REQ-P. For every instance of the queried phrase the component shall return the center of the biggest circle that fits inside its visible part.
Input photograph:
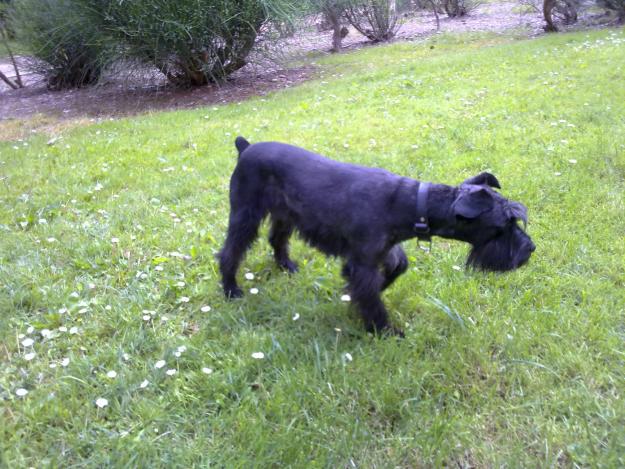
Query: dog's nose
(532, 247)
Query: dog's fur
(361, 214)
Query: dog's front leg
(365, 283)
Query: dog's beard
(508, 251)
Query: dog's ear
(517, 211)
(472, 203)
(484, 179)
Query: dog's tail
(241, 144)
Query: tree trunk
(435, 10)
(547, 7)
(18, 78)
(333, 16)
(5, 79)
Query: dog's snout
(532, 247)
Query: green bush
(192, 42)
(375, 19)
(455, 8)
(65, 37)
(4, 16)
(617, 6)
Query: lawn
(110, 294)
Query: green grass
(524, 369)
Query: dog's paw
(290, 266)
(389, 331)
(233, 292)
(395, 331)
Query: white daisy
(346, 298)
(111, 374)
(28, 342)
(171, 372)
(258, 355)
(159, 364)
(205, 309)
(348, 356)
(207, 371)
(29, 356)
(254, 291)
(249, 276)
(101, 402)
(144, 384)
(21, 392)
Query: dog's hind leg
(242, 231)
(365, 283)
(279, 235)
(395, 263)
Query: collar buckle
(421, 228)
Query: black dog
(361, 214)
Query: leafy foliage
(67, 37)
(191, 42)
(333, 12)
(455, 8)
(377, 20)
(617, 6)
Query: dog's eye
(520, 225)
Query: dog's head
(489, 222)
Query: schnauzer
(362, 214)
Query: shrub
(4, 9)
(617, 6)
(192, 42)
(374, 19)
(455, 8)
(66, 36)
(333, 13)
(556, 11)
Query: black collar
(422, 227)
